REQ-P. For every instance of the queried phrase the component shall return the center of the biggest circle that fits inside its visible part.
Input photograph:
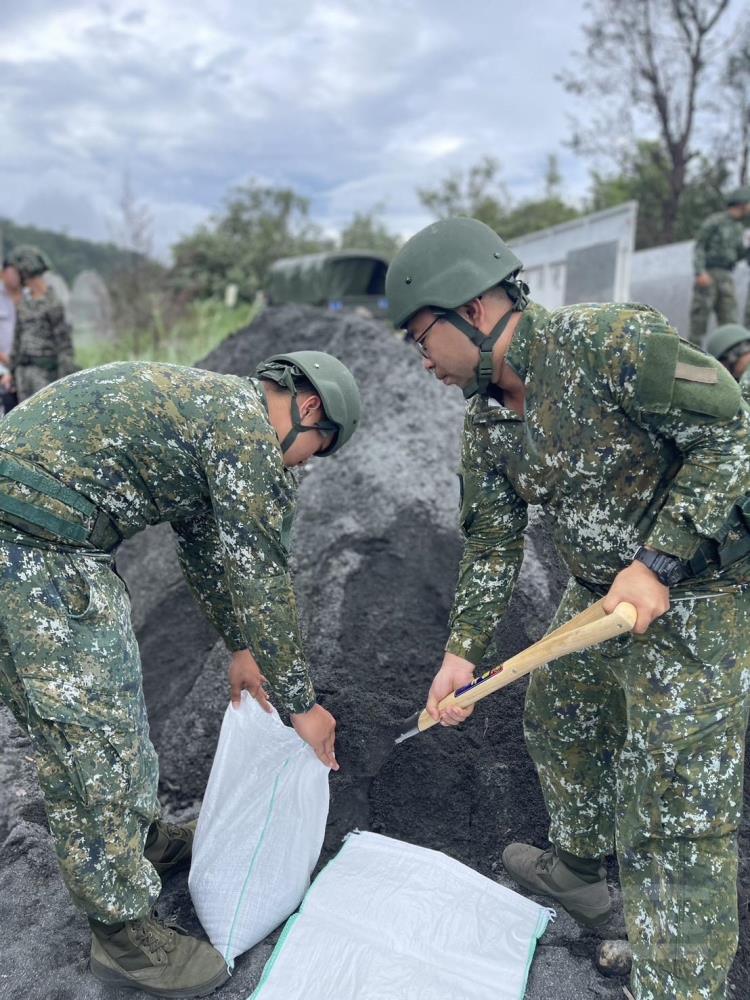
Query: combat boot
(169, 847)
(150, 956)
(546, 874)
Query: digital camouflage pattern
(719, 298)
(147, 443)
(719, 245)
(745, 385)
(70, 672)
(42, 343)
(626, 440)
(642, 739)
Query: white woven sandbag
(387, 920)
(260, 829)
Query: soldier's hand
(245, 675)
(703, 280)
(318, 728)
(453, 674)
(643, 589)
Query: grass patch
(203, 327)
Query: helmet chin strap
(325, 426)
(486, 345)
(517, 292)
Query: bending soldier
(42, 344)
(85, 463)
(637, 446)
(719, 245)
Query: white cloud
(352, 103)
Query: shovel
(590, 627)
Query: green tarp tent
(346, 278)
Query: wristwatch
(668, 569)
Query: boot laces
(154, 935)
(174, 831)
(545, 861)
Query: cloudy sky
(352, 103)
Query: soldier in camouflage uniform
(719, 245)
(92, 460)
(636, 445)
(730, 345)
(42, 345)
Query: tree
(136, 285)
(479, 194)
(643, 176)
(366, 231)
(736, 80)
(482, 195)
(259, 225)
(646, 59)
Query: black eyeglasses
(420, 344)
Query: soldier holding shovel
(637, 445)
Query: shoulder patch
(675, 375)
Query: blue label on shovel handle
(477, 681)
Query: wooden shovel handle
(596, 627)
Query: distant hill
(69, 256)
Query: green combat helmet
(725, 338)
(332, 381)
(740, 196)
(446, 265)
(29, 261)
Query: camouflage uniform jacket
(719, 243)
(745, 385)
(149, 443)
(630, 435)
(43, 335)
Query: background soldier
(636, 444)
(10, 296)
(84, 464)
(730, 344)
(719, 245)
(42, 345)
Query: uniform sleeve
(253, 497)
(676, 391)
(202, 560)
(493, 519)
(61, 336)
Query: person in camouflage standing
(42, 345)
(85, 463)
(719, 245)
(636, 445)
(730, 345)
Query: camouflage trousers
(30, 379)
(70, 673)
(639, 744)
(719, 298)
